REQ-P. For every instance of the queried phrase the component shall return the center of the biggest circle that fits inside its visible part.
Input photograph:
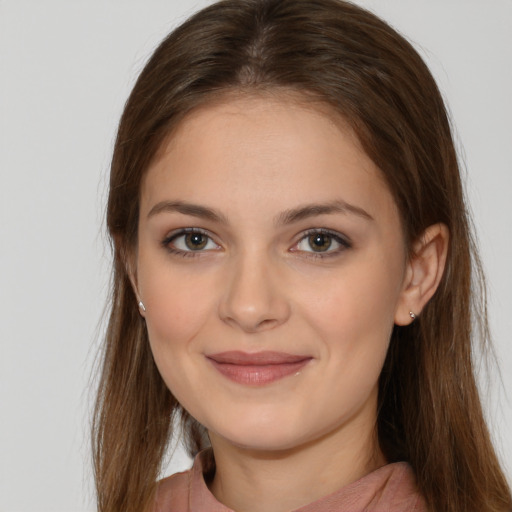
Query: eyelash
(166, 242)
(343, 241)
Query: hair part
(344, 57)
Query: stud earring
(141, 306)
(412, 315)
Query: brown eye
(190, 241)
(196, 241)
(320, 242)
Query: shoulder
(172, 493)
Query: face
(271, 264)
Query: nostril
(267, 323)
(251, 325)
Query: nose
(254, 297)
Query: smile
(259, 368)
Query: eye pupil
(195, 241)
(320, 242)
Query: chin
(264, 443)
(263, 437)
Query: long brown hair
(345, 57)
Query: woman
(293, 268)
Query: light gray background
(66, 69)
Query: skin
(259, 283)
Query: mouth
(259, 368)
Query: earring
(141, 306)
(412, 315)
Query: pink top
(390, 488)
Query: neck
(278, 481)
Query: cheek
(363, 297)
(176, 313)
(353, 314)
(353, 317)
(176, 310)
(178, 304)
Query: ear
(131, 269)
(424, 272)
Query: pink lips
(258, 368)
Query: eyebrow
(287, 217)
(194, 210)
(311, 210)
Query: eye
(320, 241)
(188, 241)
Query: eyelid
(343, 240)
(340, 238)
(182, 232)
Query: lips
(259, 368)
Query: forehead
(261, 109)
(274, 148)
